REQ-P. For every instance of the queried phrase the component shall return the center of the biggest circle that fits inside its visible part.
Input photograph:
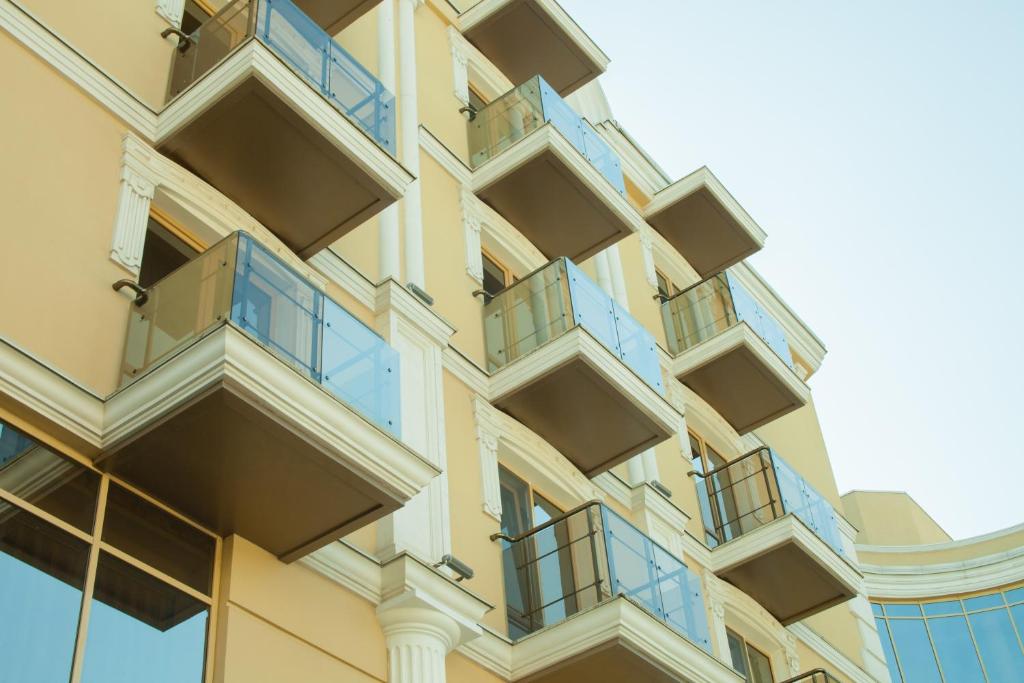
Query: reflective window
(750, 662)
(973, 640)
(150, 581)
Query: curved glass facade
(976, 639)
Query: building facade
(354, 340)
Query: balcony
(591, 598)
(548, 173)
(333, 16)
(777, 539)
(527, 37)
(702, 221)
(269, 110)
(732, 353)
(573, 366)
(258, 406)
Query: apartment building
(354, 340)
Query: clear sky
(881, 146)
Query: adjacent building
(354, 340)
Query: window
(91, 571)
(497, 276)
(717, 502)
(540, 575)
(666, 288)
(163, 253)
(752, 664)
(977, 639)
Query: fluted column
(132, 218)
(418, 643)
(409, 117)
(388, 249)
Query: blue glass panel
(141, 629)
(563, 117)
(592, 308)
(638, 348)
(1017, 612)
(876, 609)
(998, 645)
(984, 602)
(631, 563)
(602, 157)
(277, 307)
(957, 656)
(890, 657)
(42, 572)
(914, 651)
(765, 326)
(1014, 596)
(361, 369)
(903, 610)
(802, 500)
(12, 443)
(346, 83)
(942, 608)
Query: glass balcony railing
(239, 282)
(551, 301)
(303, 46)
(524, 109)
(713, 306)
(588, 556)
(757, 489)
(815, 676)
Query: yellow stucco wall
(891, 518)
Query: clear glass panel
(698, 313)
(277, 307)
(159, 539)
(890, 656)
(592, 308)
(955, 649)
(638, 348)
(361, 369)
(180, 308)
(42, 573)
(997, 642)
(942, 608)
(914, 650)
(210, 43)
(528, 314)
(505, 121)
(141, 629)
(984, 602)
(50, 482)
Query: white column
(418, 642)
(604, 275)
(409, 115)
(388, 251)
(132, 219)
(618, 279)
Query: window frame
(97, 546)
(746, 648)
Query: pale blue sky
(880, 144)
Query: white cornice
(938, 547)
(445, 157)
(925, 581)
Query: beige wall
(891, 518)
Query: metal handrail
(695, 285)
(545, 525)
(807, 674)
(709, 473)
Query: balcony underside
(239, 441)
(266, 139)
(524, 38)
(584, 401)
(741, 378)
(787, 569)
(701, 220)
(614, 642)
(550, 193)
(335, 15)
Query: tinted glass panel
(1016, 595)
(57, 485)
(141, 629)
(984, 602)
(739, 660)
(42, 572)
(894, 610)
(915, 651)
(998, 645)
(956, 652)
(158, 539)
(890, 657)
(942, 608)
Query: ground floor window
(98, 584)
